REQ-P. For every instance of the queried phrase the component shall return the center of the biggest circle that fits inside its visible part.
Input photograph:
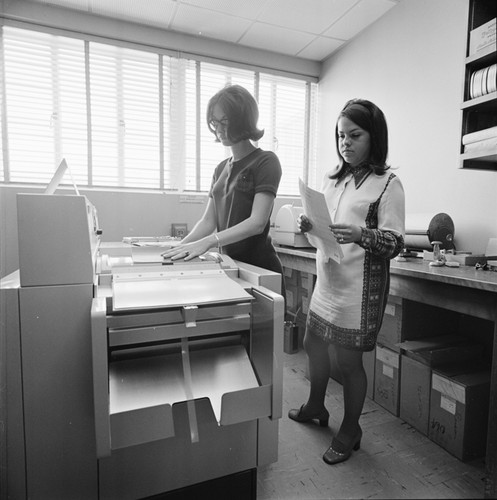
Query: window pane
(3, 145)
(283, 115)
(45, 105)
(191, 123)
(147, 114)
(313, 134)
(125, 117)
(173, 120)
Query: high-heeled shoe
(301, 417)
(338, 452)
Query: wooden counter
(464, 290)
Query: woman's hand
(346, 233)
(188, 251)
(303, 223)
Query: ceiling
(310, 29)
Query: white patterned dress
(349, 298)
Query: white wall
(410, 63)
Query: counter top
(461, 276)
(466, 276)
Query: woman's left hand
(346, 233)
(188, 251)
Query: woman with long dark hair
(366, 203)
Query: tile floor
(395, 460)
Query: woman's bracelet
(217, 239)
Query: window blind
(3, 115)
(124, 88)
(283, 109)
(129, 118)
(45, 105)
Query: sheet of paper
(172, 288)
(319, 236)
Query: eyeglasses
(224, 122)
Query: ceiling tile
(320, 48)
(71, 4)
(311, 17)
(363, 14)
(189, 19)
(247, 9)
(152, 12)
(276, 39)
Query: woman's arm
(387, 240)
(254, 224)
(199, 239)
(205, 225)
(202, 238)
(386, 244)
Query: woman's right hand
(304, 224)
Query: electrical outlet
(179, 230)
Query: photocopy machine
(128, 380)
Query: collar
(359, 173)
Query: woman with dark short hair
(243, 189)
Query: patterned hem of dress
(349, 339)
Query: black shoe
(338, 452)
(301, 417)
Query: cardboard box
(390, 332)
(291, 276)
(292, 298)
(459, 413)
(406, 319)
(305, 304)
(419, 357)
(307, 282)
(415, 392)
(442, 349)
(482, 37)
(387, 379)
(415, 385)
(299, 287)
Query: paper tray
(142, 391)
(173, 288)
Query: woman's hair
(241, 110)
(370, 118)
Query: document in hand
(317, 212)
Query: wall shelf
(479, 103)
